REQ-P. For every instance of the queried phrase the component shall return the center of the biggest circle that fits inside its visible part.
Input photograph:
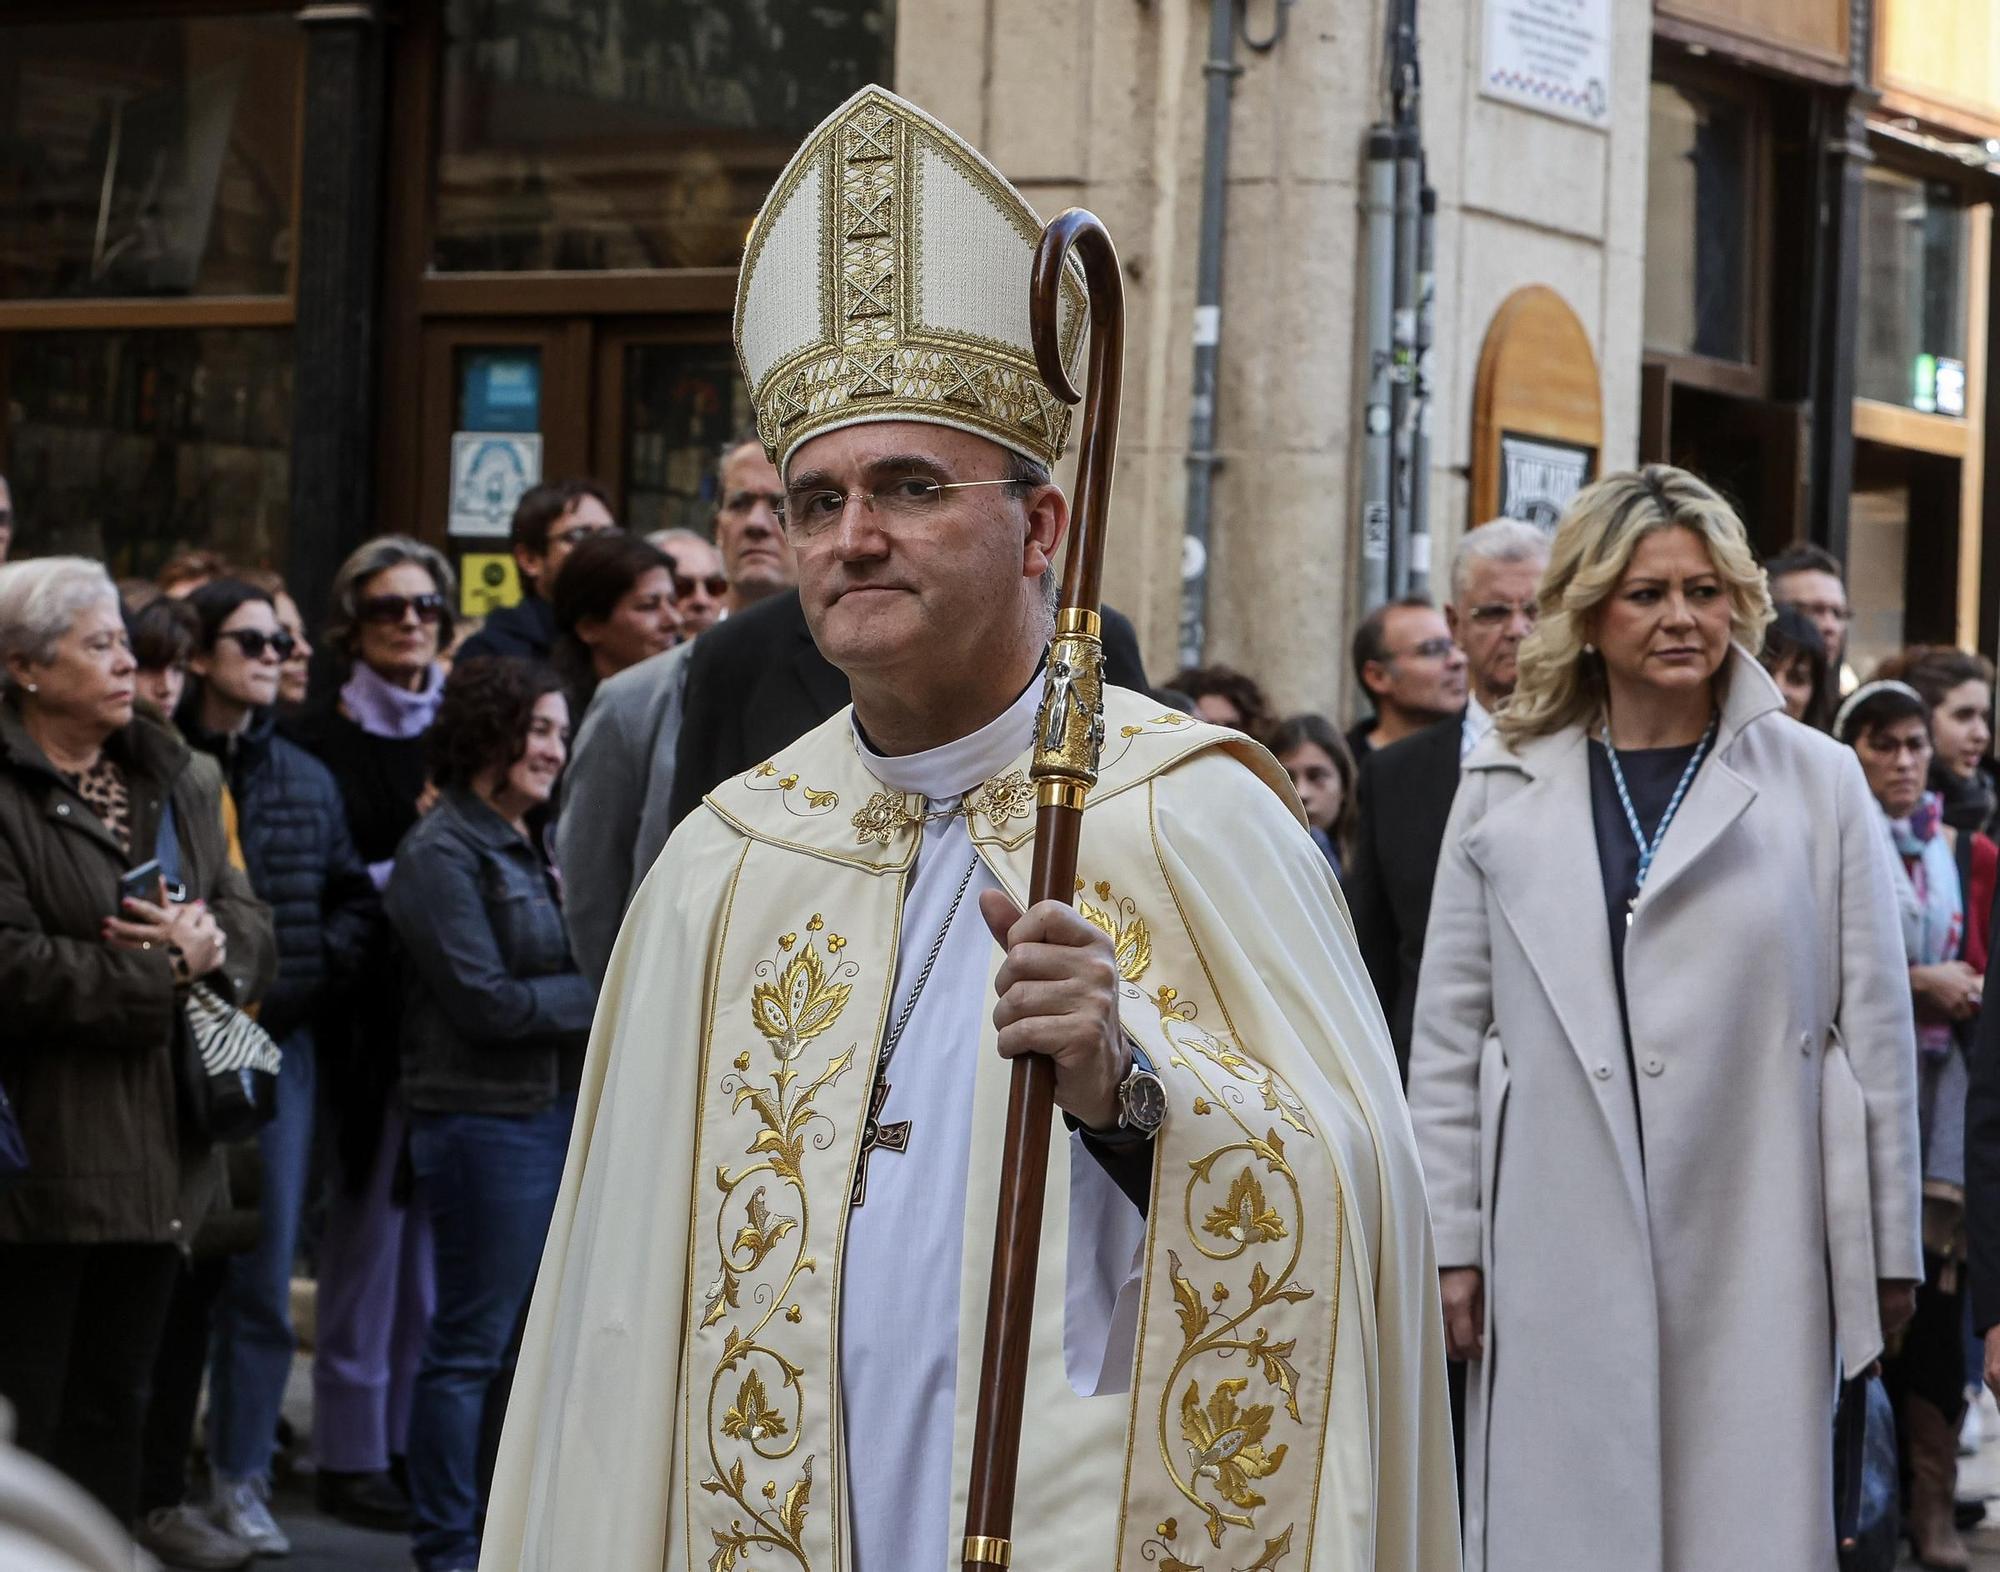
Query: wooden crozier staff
(1068, 736)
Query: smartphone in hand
(139, 884)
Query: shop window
(596, 134)
(148, 158)
(1698, 225)
(1914, 243)
(129, 446)
(682, 403)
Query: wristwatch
(1142, 1105)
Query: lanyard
(1648, 851)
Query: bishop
(758, 1322)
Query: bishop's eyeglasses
(811, 509)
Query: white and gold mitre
(887, 278)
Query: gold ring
(988, 1550)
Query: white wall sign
(489, 471)
(1539, 477)
(1551, 55)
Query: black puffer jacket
(293, 826)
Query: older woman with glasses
(1661, 1074)
(102, 810)
(392, 615)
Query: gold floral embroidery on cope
(1000, 801)
(1164, 724)
(766, 777)
(1231, 1396)
(757, 1396)
(1131, 940)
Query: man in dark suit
(757, 682)
(1406, 788)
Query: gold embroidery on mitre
(898, 335)
(756, 1394)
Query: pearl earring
(34, 688)
(1590, 649)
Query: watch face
(1145, 1102)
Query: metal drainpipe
(1418, 581)
(1376, 454)
(1402, 392)
(1221, 70)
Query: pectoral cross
(888, 1137)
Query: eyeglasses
(1501, 612)
(577, 534)
(807, 512)
(744, 501)
(392, 609)
(254, 641)
(716, 585)
(1430, 649)
(1822, 611)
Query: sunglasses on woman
(392, 609)
(716, 585)
(254, 641)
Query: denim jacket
(495, 1013)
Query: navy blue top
(1651, 774)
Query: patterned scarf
(1932, 909)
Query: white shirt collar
(948, 772)
(1475, 726)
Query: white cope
(899, 1320)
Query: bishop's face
(911, 582)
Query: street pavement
(319, 1544)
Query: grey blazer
(616, 796)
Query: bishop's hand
(1058, 992)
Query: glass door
(669, 398)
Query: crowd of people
(389, 881)
(360, 876)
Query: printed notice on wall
(489, 471)
(1551, 55)
(1539, 477)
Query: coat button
(1805, 1044)
(174, 1227)
(1603, 1072)
(1653, 1066)
(62, 810)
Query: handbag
(227, 1065)
(1865, 1482)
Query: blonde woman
(1662, 1070)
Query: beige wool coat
(1661, 1324)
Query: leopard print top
(103, 789)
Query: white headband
(1868, 690)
